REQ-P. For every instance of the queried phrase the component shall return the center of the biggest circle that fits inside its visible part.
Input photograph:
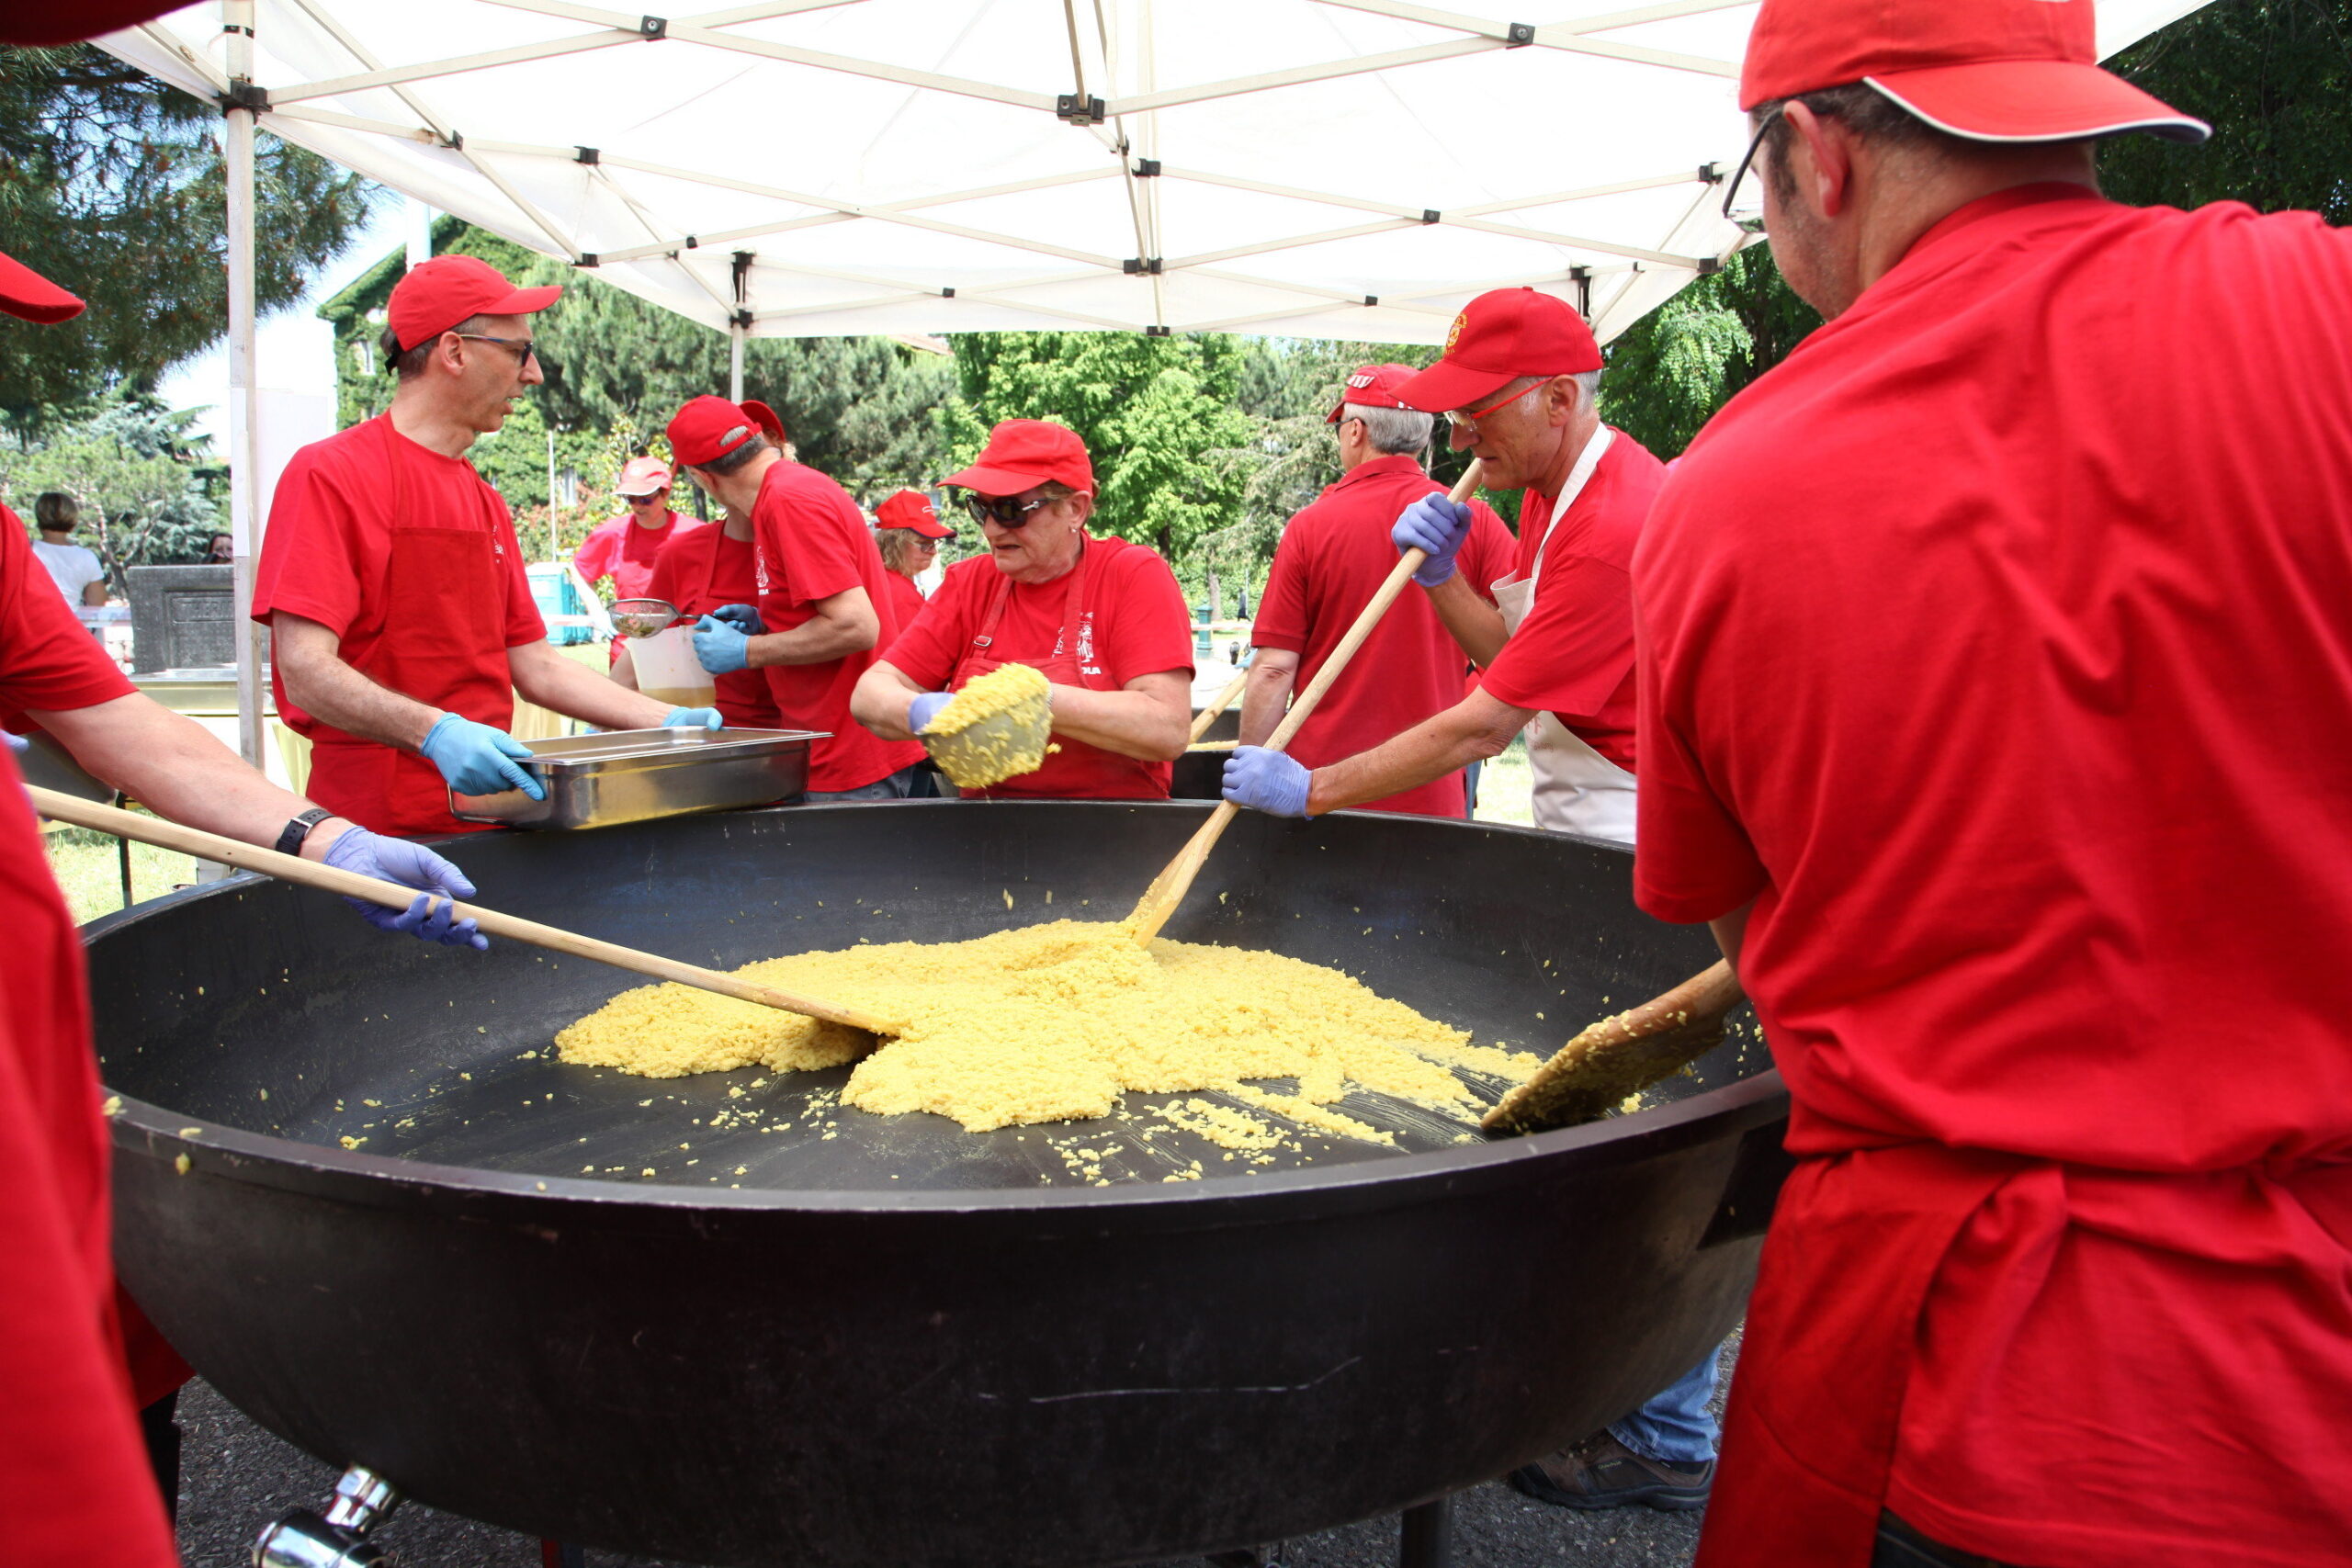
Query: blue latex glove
(476, 759)
(719, 648)
(924, 708)
(744, 618)
(17, 742)
(411, 866)
(1437, 525)
(706, 718)
(1271, 781)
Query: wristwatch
(289, 841)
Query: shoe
(1601, 1473)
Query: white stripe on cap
(2172, 127)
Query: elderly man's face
(1515, 432)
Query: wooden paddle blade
(1620, 1055)
(1175, 879)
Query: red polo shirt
(1573, 656)
(411, 558)
(907, 597)
(1997, 644)
(74, 1483)
(812, 543)
(1333, 557)
(699, 570)
(619, 549)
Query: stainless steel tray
(632, 775)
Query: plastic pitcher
(668, 672)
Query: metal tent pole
(244, 446)
(739, 325)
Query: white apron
(1577, 790)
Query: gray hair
(1589, 380)
(407, 364)
(726, 463)
(1391, 431)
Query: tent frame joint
(1518, 35)
(1077, 110)
(244, 93)
(585, 258)
(653, 28)
(1147, 168)
(1139, 266)
(1430, 215)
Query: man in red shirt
(703, 571)
(624, 548)
(1333, 556)
(75, 1485)
(1994, 696)
(401, 619)
(824, 606)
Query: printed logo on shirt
(759, 568)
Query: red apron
(1078, 770)
(444, 588)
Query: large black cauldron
(903, 1343)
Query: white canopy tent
(1331, 168)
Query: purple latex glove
(1271, 781)
(1436, 526)
(411, 866)
(924, 708)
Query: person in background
(221, 551)
(73, 568)
(401, 621)
(625, 548)
(908, 533)
(823, 601)
(82, 1370)
(1101, 618)
(704, 570)
(1332, 558)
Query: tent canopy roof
(1335, 168)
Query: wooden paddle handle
(393, 896)
(1303, 706)
(1207, 715)
(1702, 999)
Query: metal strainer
(642, 617)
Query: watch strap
(289, 839)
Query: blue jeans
(1676, 1427)
(897, 786)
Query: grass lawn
(1504, 786)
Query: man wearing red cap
(907, 530)
(713, 571)
(1333, 556)
(74, 1486)
(401, 619)
(824, 605)
(624, 548)
(1994, 696)
(1101, 618)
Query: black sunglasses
(1752, 223)
(1002, 510)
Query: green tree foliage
(144, 482)
(1671, 370)
(115, 187)
(2273, 76)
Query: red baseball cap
(29, 296)
(770, 423)
(708, 428)
(1025, 452)
(1501, 336)
(436, 295)
(1985, 70)
(643, 476)
(1373, 386)
(909, 509)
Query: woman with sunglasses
(1102, 618)
(907, 531)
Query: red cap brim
(991, 480)
(1448, 385)
(2034, 100)
(29, 296)
(524, 301)
(767, 418)
(927, 527)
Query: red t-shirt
(1132, 623)
(1573, 655)
(907, 597)
(618, 549)
(1997, 644)
(699, 570)
(74, 1483)
(813, 543)
(411, 558)
(1333, 557)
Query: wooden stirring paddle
(1207, 715)
(1622, 1055)
(1168, 889)
(392, 895)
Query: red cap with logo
(30, 296)
(708, 428)
(1987, 70)
(1373, 387)
(436, 295)
(1501, 336)
(909, 509)
(1024, 453)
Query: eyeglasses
(530, 350)
(1467, 419)
(1003, 509)
(1750, 220)
(643, 500)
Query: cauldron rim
(143, 1128)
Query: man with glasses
(1996, 675)
(824, 603)
(1332, 558)
(401, 617)
(624, 548)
